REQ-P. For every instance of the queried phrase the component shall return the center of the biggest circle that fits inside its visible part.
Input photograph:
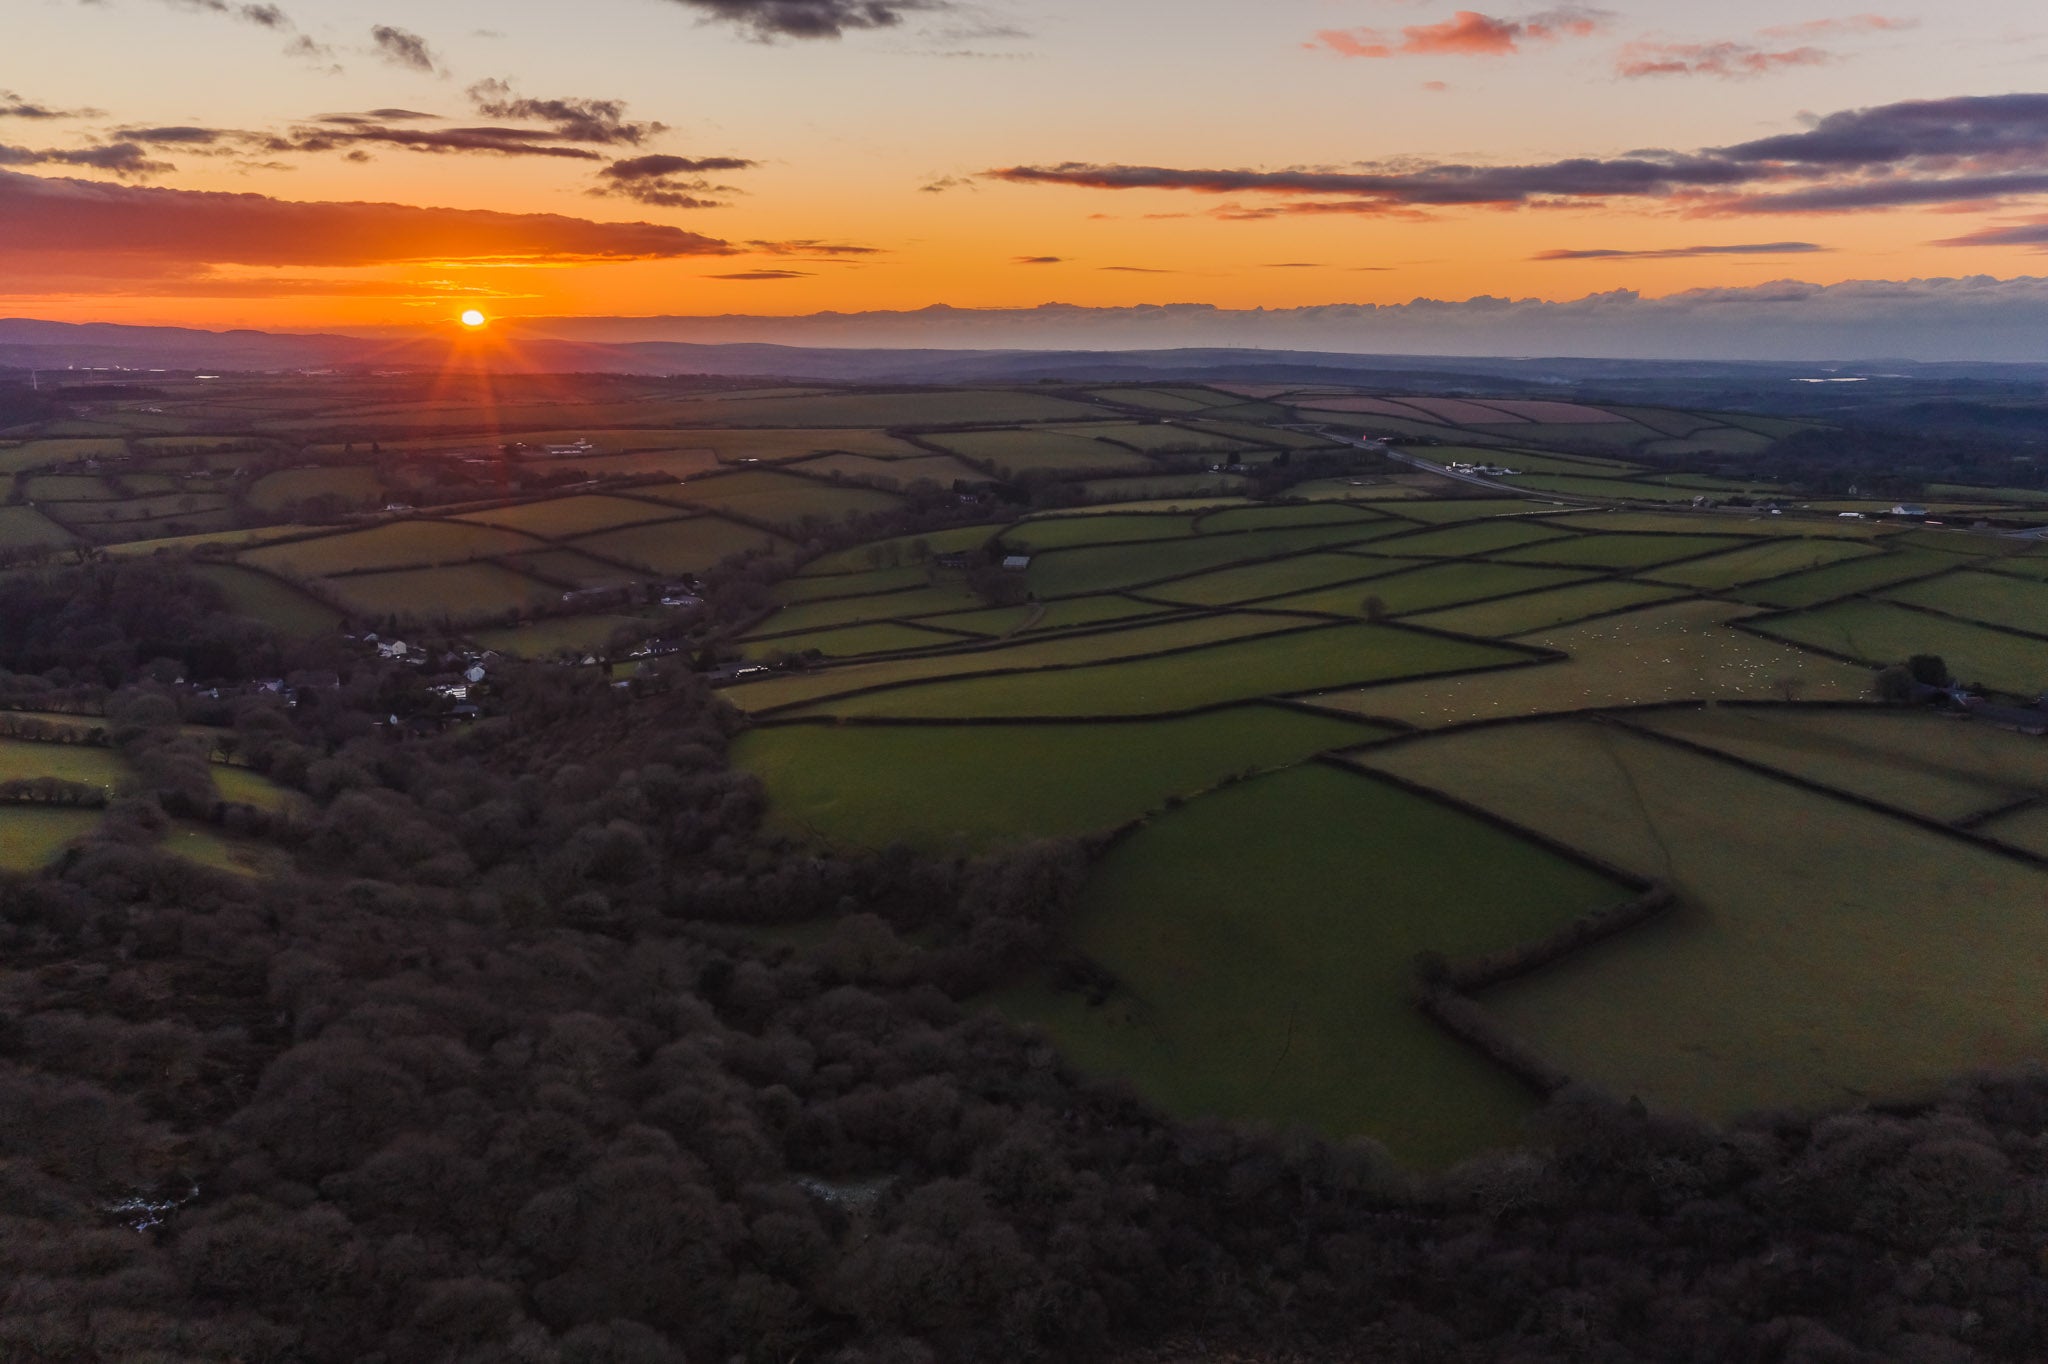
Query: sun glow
(473, 319)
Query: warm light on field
(473, 319)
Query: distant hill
(522, 347)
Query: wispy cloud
(405, 49)
(1727, 60)
(1685, 252)
(667, 181)
(1959, 150)
(763, 275)
(768, 20)
(49, 216)
(1468, 33)
(1846, 26)
(1038, 260)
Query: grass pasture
(27, 528)
(1619, 551)
(1262, 937)
(1072, 572)
(1300, 661)
(853, 641)
(1879, 633)
(1545, 610)
(778, 499)
(1934, 765)
(1481, 537)
(1805, 965)
(1990, 598)
(560, 518)
(685, 546)
(86, 764)
(1065, 614)
(903, 550)
(1057, 652)
(935, 600)
(31, 836)
(455, 591)
(395, 544)
(1847, 578)
(1014, 452)
(1280, 578)
(1283, 514)
(555, 636)
(1676, 651)
(351, 485)
(1430, 588)
(983, 786)
(273, 601)
(792, 590)
(1066, 532)
(1754, 563)
(941, 469)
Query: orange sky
(853, 171)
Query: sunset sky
(351, 163)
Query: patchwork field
(1879, 632)
(988, 785)
(1262, 939)
(1193, 638)
(1674, 652)
(1803, 966)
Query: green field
(1071, 572)
(904, 549)
(1013, 452)
(1262, 938)
(852, 641)
(941, 469)
(977, 786)
(1993, 598)
(570, 568)
(1619, 551)
(84, 763)
(1484, 537)
(240, 785)
(1427, 589)
(1279, 578)
(27, 528)
(1302, 661)
(276, 603)
(1282, 514)
(1065, 532)
(557, 635)
(397, 544)
(1880, 633)
(457, 592)
(562, 517)
(940, 598)
(31, 836)
(1673, 652)
(1754, 563)
(1822, 954)
(1933, 765)
(1545, 610)
(777, 499)
(1847, 579)
(792, 590)
(689, 546)
(1058, 652)
(352, 486)
(1060, 615)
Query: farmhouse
(1909, 509)
(1016, 563)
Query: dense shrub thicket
(513, 1068)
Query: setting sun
(473, 319)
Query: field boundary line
(1876, 807)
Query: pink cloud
(1854, 23)
(1730, 61)
(1468, 33)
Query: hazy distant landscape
(923, 682)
